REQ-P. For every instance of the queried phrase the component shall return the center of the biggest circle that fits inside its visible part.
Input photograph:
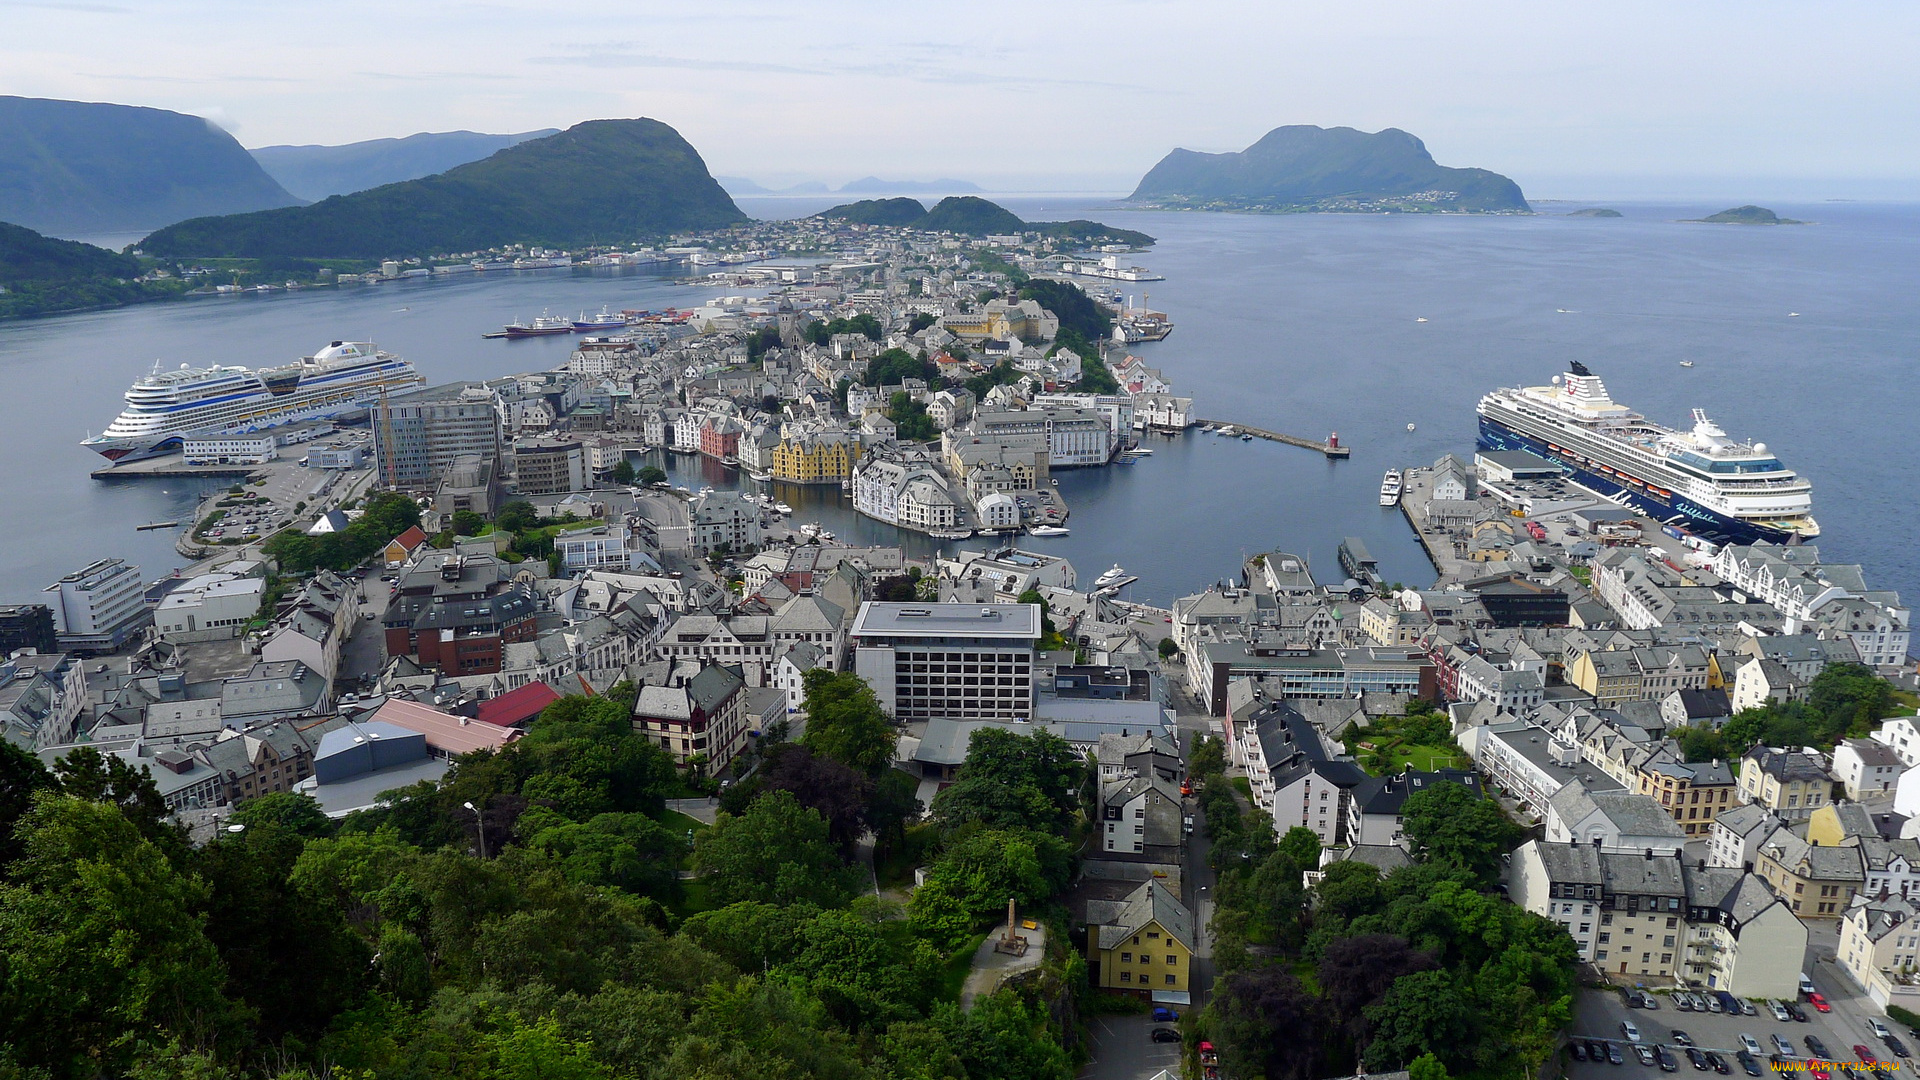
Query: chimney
(1649, 854)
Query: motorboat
(1048, 530)
(1110, 578)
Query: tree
(920, 321)
(822, 784)
(104, 944)
(467, 523)
(296, 812)
(1302, 845)
(652, 474)
(893, 366)
(752, 935)
(1453, 825)
(1699, 742)
(846, 723)
(974, 878)
(1421, 1013)
(622, 472)
(1356, 972)
(1269, 1025)
(867, 970)
(1010, 780)
(1168, 650)
(1426, 1067)
(21, 776)
(777, 851)
(516, 516)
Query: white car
(1779, 1011)
(1879, 1029)
(1628, 1029)
(1749, 1044)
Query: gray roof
(945, 741)
(1386, 794)
(1385, 858)
(1818, 862)
(887, 619)
(1151, 902)
(1785, 765)
(1743, 819)
(1874, 752)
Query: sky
(1623, 97)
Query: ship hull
(1705, 521)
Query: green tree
(846, 723)
(1168, 650)
(21, 776)
(867, 970)
(104, 944)
(1426, 1067)
(652, 474)
(778, 851)
(971, 882)
(295, 812)
(1302, 845)
(1453, 825)
(1700, 742)
(1010, 780)
(517, 516)
(894, 365)
(467, 523)
(1423, 1013)
(622, 472)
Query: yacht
(1110, 578)
(1390, 488)
(1048, 530)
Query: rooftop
(1007, 621)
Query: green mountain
(604, 181)
(900, 212)
(1748, 215)
(315, 172)
(972, 216)
(1303, 168)
(39, 275)
(79, 168)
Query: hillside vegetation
(315, 172)
(39, 275)
(970, 215)
(83, 168)
(603, 181)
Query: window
(1126, 958)
(1586, 928)
(1668, 942)
(1173, 961)
(1171, 980)
(1605, 937)
(1126, 976)
(1601, 955)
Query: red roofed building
(447, 735)
(517, 707)
(401, 548)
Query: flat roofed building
(963, 661)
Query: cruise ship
(164, 406)
(1725, 489)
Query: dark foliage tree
(1269, 1025)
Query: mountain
(740, 185)
(901, 212)
(604, 181)
(315, 172)
(1748, 215)
(1305, 168)
(81, 167)
(972, 216)
(39, 275)
(873, 185)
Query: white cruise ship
(164, 406)
(1726, 489)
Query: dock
(1332, 447)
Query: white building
(599, 547)
(1880, 948)
(228, 450)
(1738, 834)
(1902, 733)
(959, 661)
(1816, 596)
(210, 607)
(998, 510)
(724, 517)
(98, 607)
(1866, 767)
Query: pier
(1332, 447)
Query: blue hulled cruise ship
(1724, 489)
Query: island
(1596, 211)
(602, 181)
(1746, 215)
(969, 215)
(1302, 168)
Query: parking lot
(1123, 1049)
(1598, 1015)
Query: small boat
(1686, 363)
(1793, 314)
(1409, 427)
(1110, 578)
(1140, 451)
(1420, 320)
(1390, 488)
(1048, 530)
(1228, 430)
(783, 508)
(811, 530)
(937, 534)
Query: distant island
(740, 185)
(970, 215)
(1746, 215)
(866, 185)
(1306, 169)
(1596, 211)
(40, 275)
(315, 172)
(81, 168)
(603, 181)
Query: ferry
(165, 406)
(1390, 488)
(1728, 489)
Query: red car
(1819, 1001)
(1861, 1053)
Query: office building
(98, 607)
(417, 435)
(960, 661)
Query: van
(1806, 985)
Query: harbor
(1332, 447)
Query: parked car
(1794, 1010)
(1816, 1048)
(1899, 1048)
(1644, 1053)
(1748, 1044)
(1819, 1001)
(1666, 1059)
(1879, 1029)
(1749, 1063)
(1165, 1034)
(1729, 1003)
(1780, 1012)
(1718, 1063)
(1697, 1059)
(1596, 1050)
(1164, 1015)
(1578, 1050)
(1613, 1054)
(1680, 1037)
(1783, 1044)
(1861, 1053)
(1680, 1002)
(1630, 1030)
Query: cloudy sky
(1621, 96)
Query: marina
(1332, 447)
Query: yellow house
(1142, 945)
(1610, 677)
(1791, 783)
(815, 458)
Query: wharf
(1329, 448)
(172, 467)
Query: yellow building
(1142, 945)
(816, 458)
(1791, 783)
(1693, 792)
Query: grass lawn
(1425, 758)
(1908, 701)
(677, 822)
(954, 975)
(695, 897)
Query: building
(1613, 821)
(332, 456)
(959, 661)
(1738, 833)
(1142, 945)
(1295, 773)
(228, 450)
(1880, 947)
(1819, 597)
(1866, 767)
(1791, 783)
(1071, 437)
(1141, 815)
(27, 626)
(1817, 881)
(724, 519)
(447, 736)
(1760, 681)
(210, 607)
(599, 547)
(1648, 673)
(1647, 917)
(701, 713)
(1373, 806)
(99, 607)
(471, 483)
(417, 435)
(549, 466)
(816, 457)
(41, 695)
(403, 547)
(1902, 733)
(458, 612)
(1693, 792)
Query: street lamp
(479, 827)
